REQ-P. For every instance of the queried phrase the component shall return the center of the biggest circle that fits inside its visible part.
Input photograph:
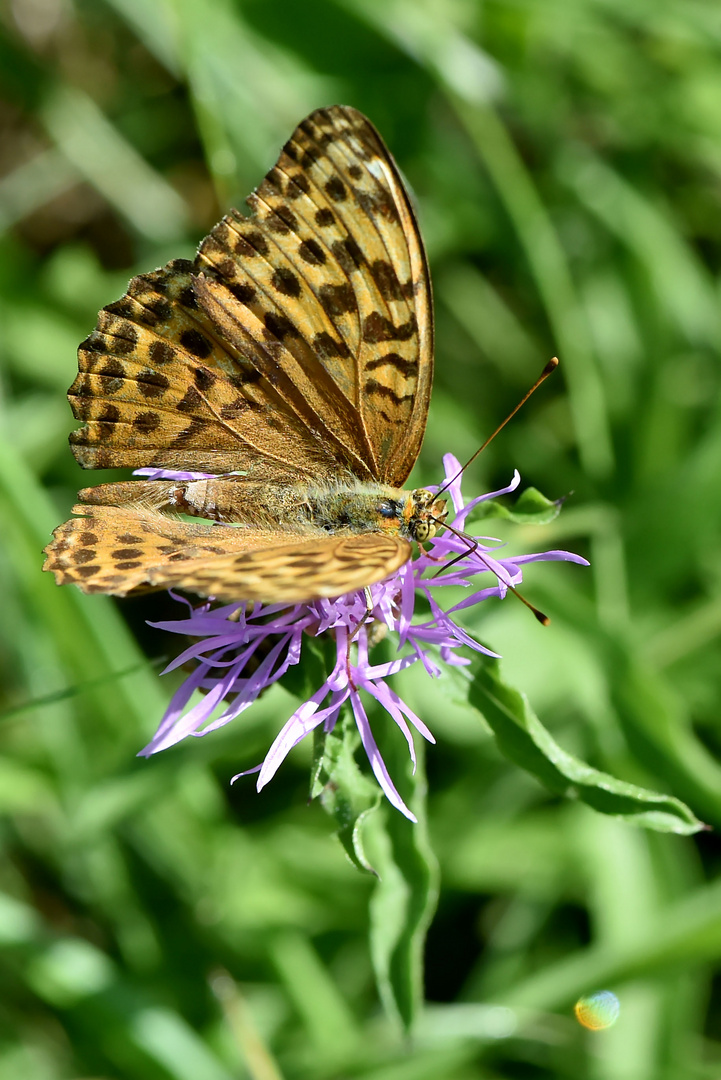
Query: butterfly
(279, 383)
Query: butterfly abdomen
(367, 507)
(352, 506)
(347, 506)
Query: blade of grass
(106, 159)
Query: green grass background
(566, 159)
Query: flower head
(240, 649)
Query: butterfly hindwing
(122, 550)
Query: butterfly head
(424, 514)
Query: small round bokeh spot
(597, 1011)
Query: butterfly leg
(377, 629)
(472, 549)
(374, 633)
(368, 595)
(429, 554)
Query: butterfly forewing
(333, 262)
(158, 385)
(306, 344)
(395, 356)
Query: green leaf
(530, 508)
(406, 894)
(380, 840)
(524, 740)
(346, 794)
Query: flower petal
(377, 763)
(304, 720)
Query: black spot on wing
(250, 244)
(377, 328)
(227, 268)
(282, 221)
(244, 292)
(286, 282)
(245, 377)
(204, 378)
(386, 279)
(87, 571)
(146, 422)
(196, 343)
(124, 334)
(328, 348)
(161, 353)
(311, 252)
(337, 299)
(94, 342)
(335, 189)
(194, 428)
(374, 387)
(396, 361)
(127, 553)
(299, 184)
(348, 254)
(310, 157)
(123, 307)
(84, 555)
(190, 402)
(114, 373)
(188, 299)
(152, 384)
(156, 310)
(279, 326)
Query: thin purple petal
(377, 763)
(173, 474)
(304, 720)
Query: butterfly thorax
(353, 506)
(368, 507)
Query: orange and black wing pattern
(123, 550)
(298, 344)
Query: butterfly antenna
(550, 366)
(473, 546)
(542, 618)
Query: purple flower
(242, 648)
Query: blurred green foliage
(566, 158)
